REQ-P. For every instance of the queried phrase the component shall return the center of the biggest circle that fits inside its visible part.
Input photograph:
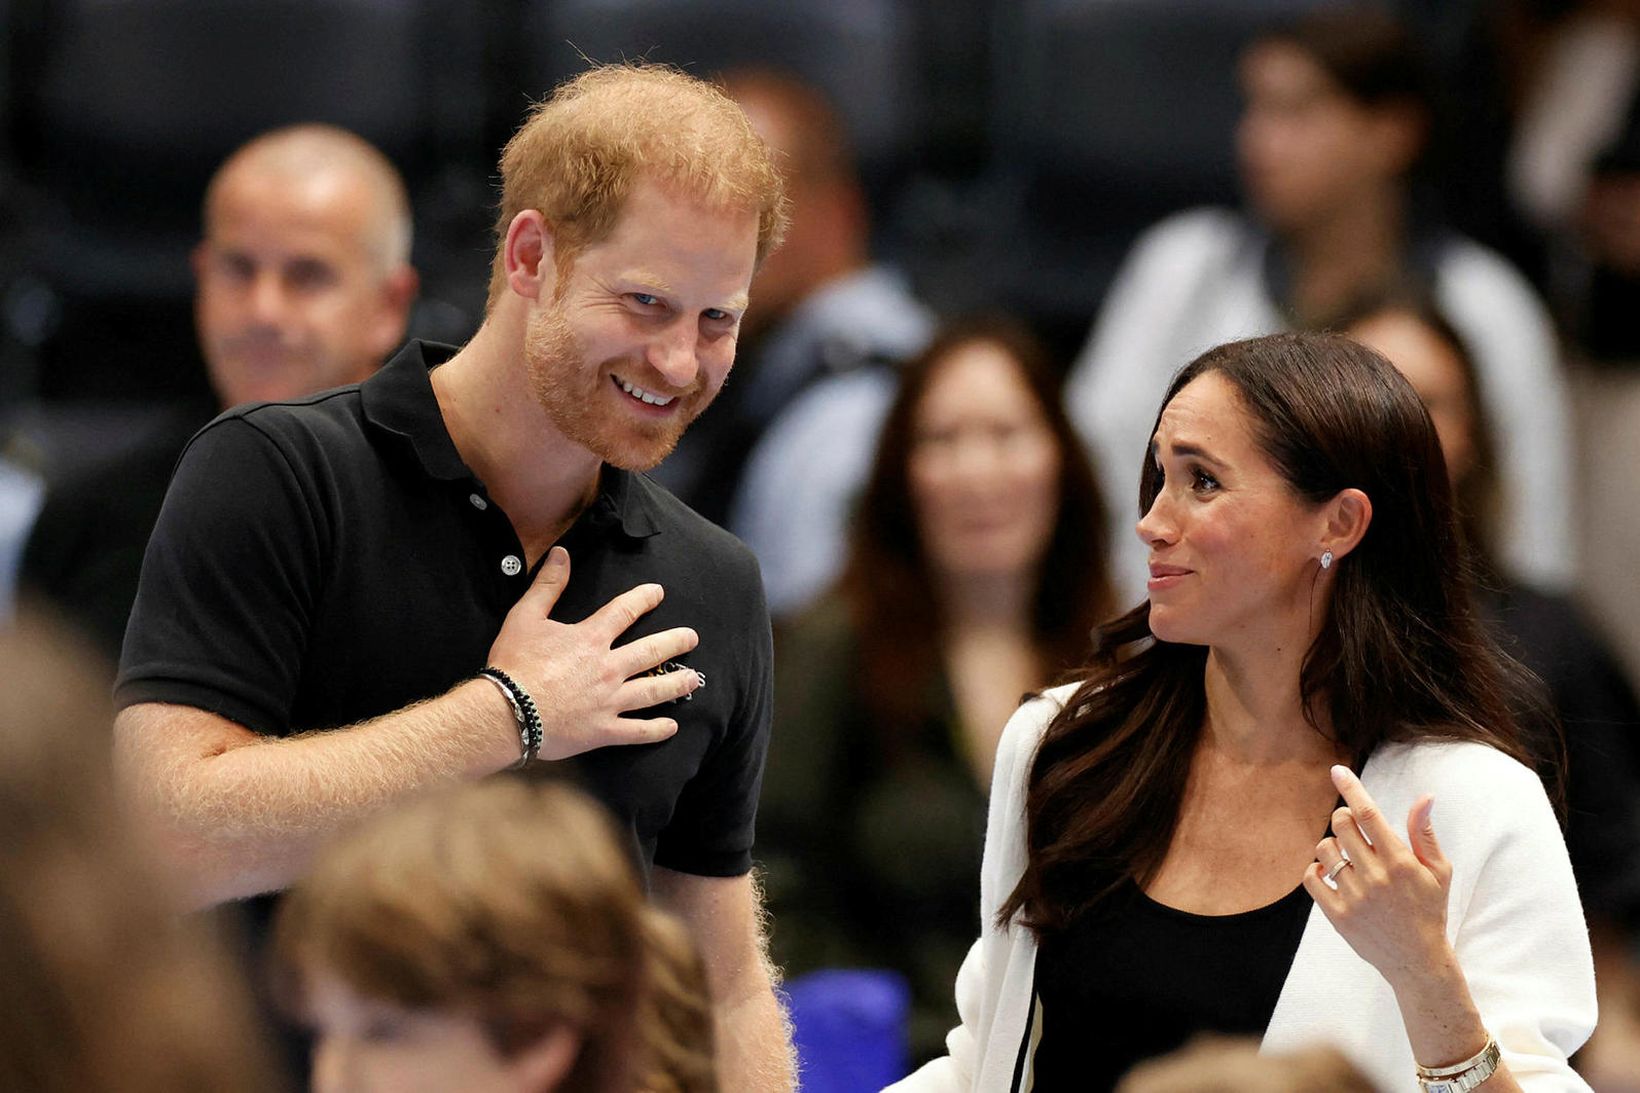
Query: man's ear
(1348, 517)
(398, 295)
(528, 255)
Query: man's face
(292, 299)
(641, 334)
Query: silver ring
(1338, 867)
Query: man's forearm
(754, 1039)
(239, 814)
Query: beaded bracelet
(523, 707)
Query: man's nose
(269, 300)
(673, 354)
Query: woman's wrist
(1442, 1023)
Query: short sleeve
(229, 583)
(713, 826)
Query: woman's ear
(543, 1065)
(1348, 516)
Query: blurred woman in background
(974, 577)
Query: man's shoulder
(338, 411)
(324, 427)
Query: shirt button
(511, 566)
(478, 502)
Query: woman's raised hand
(1389, 901)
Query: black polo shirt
(321, 562)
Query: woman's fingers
(1369, 818)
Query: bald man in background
(304, 283)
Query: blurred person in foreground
(1308, 666)
(1214, 1064)
(1549, 634)
(354, 596)
(101, 986)
(303, 283)
(448, 944)
(1331, 144)
(974, 578)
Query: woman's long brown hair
(1400, 654)
(891, 594)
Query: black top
(84, 553)
(1134, 979)
(331, 559)
(1598, 709)
(870, 835)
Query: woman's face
(1435, 372)
(366, 1045)
(1307, 150)
(984, 471)
(1233, 550)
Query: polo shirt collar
(630, 500)
(399, 398)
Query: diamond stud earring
(1326, 559)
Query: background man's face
(292, 297)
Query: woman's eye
(1203, 481)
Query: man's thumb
(550, 582)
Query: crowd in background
(992, 203)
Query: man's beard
(568, 389)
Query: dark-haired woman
(1339, 111)
(970, 583)
(1181, 843)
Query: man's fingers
(1368, 816)
(550, 581)
(650, 652)
(647, 691)
(632, 730)
(617, 616)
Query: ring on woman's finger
(1338, 867)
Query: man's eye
(716, 315)
(237, 266)
(645, 299)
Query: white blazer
(1513, 918)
